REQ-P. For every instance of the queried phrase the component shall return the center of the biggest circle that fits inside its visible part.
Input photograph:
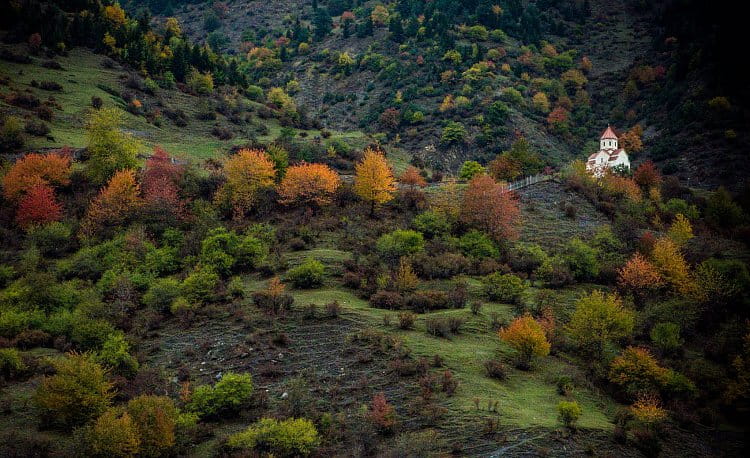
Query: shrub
(382, 414)
(161, 294)
(199, 286)
(309, 274)
(406, 320)
(90, 334)
(503, 287)
(443, 326)
(446, 265)
(10, 363)
(401, 242)
(389, 300)
(432, 223)
(11, 133)
(155, 419)
(291, 437)
(273, 299)
(77, 393)
(582, 260)
(495, 369)
(569, 412)
(115, 353)
(422, 301)
(527, 337)
(477, 244)
(51, 239)
(226, 396)
(637, 371)
(113, 434)
(666, 336)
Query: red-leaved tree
(39, 206)
(487, 206)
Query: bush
(389, 300)
(406, 320)
(422, 301)
(432, 223)
(582, 260)
(445, 265)
(503, 287)
(495, 369)
(478, 245)
(666, 336)
(88, 334)
(273, 299)
(309, 274)
(290, 437)
(11, 134)
(569, 412)
(161, 294)
(200, 285)
(226, 396)
(77, 393)
(113, 434)
(10, 363)
(401, 242)
(155, 419)
(115, 353)
(51, 239)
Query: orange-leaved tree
(412, 178)
(374, 180)
(38, 206)
(647, 175)
(160, 186)
(309, 185)
(248, 172)
(487, 206)
(527, 337)
(33, 169)
(115, 204)
(637, 371)
(639, 276)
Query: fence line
(527, 181)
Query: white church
(610, 155)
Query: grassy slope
(81, 78)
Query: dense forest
(368, 228)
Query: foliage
(453, 133)
(78, 392)
(113, 434)
(155, 419)
(11, 363)
(34, 170)
(527, 337)
(200, 285)
(681, 231)
(411, 177)
(405, 280)
(273, 299)
(637, 371)
(487, 207)
(38, 207)
(113, 206)
(478, 245)
(161, 294)
(290, 437)
(225, 251)
(503, 287)
(581, 259)
(308, 184)
(226, 396)
(374, 180)
(248, 172)
(432, 223)
(309, 274)
(647, 175)
(382, 414)
(599, 319)
(470, 169)
(666, 336)
(201, 83)
(401, 242)
(115, 354)
(110, 150)
(569, 412)
(670, 263)
(639, 275)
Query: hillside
(366, 229)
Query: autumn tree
(248, 172)
(382, 414)
(599, 319)
(405, 280)
(161, 188)
(670, 263)
(487, 206)
(647, 175)
(39, 206)
(374, 180)
(639, 276)
(110, 149)
(34, 169)
(527, 337)
(681, 231)
(412, 178)
(115, 204)
(631, 141)
(308, 185)
(637, 371)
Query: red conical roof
(609, 133)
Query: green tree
(598, 320)
(470, 169)
(109, 148)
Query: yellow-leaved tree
(374, 181)
(248, 172)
